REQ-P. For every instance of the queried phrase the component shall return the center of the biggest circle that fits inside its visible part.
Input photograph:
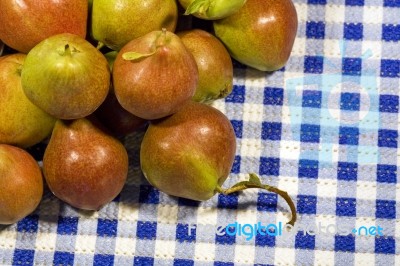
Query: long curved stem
(254, 182)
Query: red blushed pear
(154, 75)
(261, 34)
(26, 23)
(190, 154)
(83, 165)
(21, 184)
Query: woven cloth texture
(325, 128)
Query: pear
(261, 34)
(213, 62)
(22, 123)
(190, 153)
(66, 76)
(21, 184)
(83, 165)
(211, 9)
(116, 22)
(154, 75)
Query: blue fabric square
(143, 261)
(307, 204)
(346, 207)
(386, 209)
(317, 2)
(107, 228)
(390, 68)
(391, 3)
(308, 168)
(269, 166)
(236, 165)
(29, 224)
(103, 260)
(267, 201)
(146, 230)
(149, 194)
(63, 258)
(188, 202)
(353, 31)
(348, 135)
(315, 29)
(388, 138)
(273, 96)
(220, 263)
(309, 133)
(351, 66)
(182, 233)
(386, 173)
(181, 262)
(385, 245)
(313, 64)
(271, 131)
(312, 98)
(347, 171)
(23, 257)
(225, 239)
(237, 95)
(345, 243)
(391, 33)
(228, 201)
(265, 240)
(389, 103)
(238, 127)
(304, 241)
(350, 101)
(354, 2)
(67, 225)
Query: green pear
(21, 122)
(190, 153)
(261, 34)
(66, 76)
(83, 165)
(212, 9)
(21, 184)
(116, 22)
(213, 62)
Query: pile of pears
(78, 75)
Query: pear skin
(116, 22)
(83, 165)
(21, 184)
(26, 23)
(22, 123)
(189, 153)
(213, 62)
(261, 34)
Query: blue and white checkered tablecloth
(325, 128)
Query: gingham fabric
(325, 128)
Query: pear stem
(67, 50)
(100, 45)
(254, 182)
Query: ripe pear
(66, 76)
(21, 184)
(83, 165)
(213, 62)
(190, 153)
(154, 75)
(26, 23)
(261, 34)
(116, 22)
(22, 123)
